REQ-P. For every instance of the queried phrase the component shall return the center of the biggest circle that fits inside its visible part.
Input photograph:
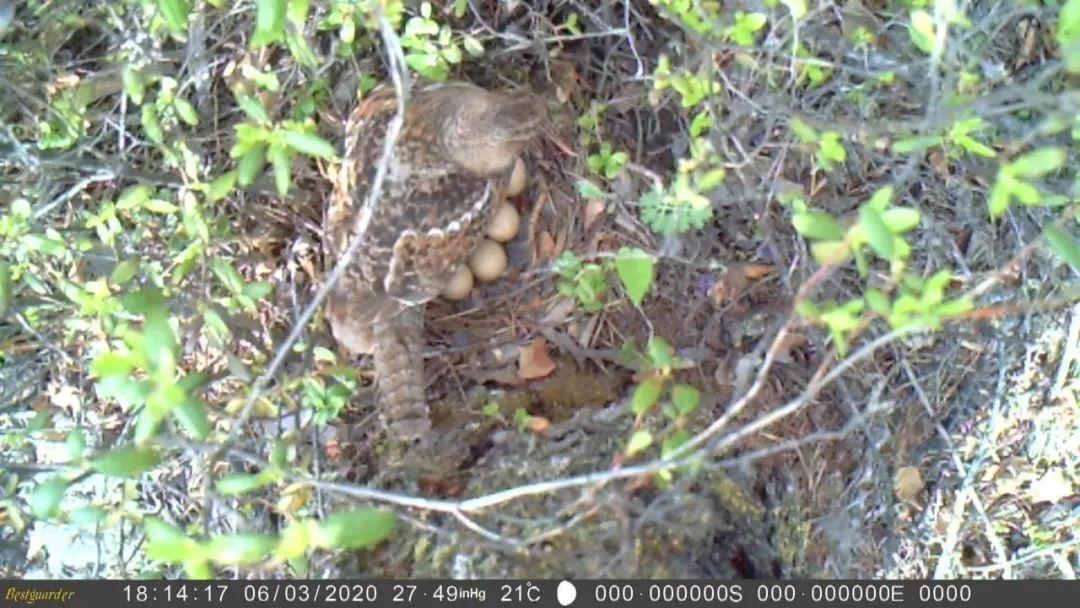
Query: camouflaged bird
(453, 159)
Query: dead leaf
(293, 498)
(756, 272)
(447, 488)
(730, 285)
(559, 312)
(593, 209)
(545, 245)
(734, 281)
(534, 361)
(907, 483)
(539, 424)
(791, 341)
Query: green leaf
(998, 201)
(646, 395)
(75, 444)
(166, 542)
(311, 145)
(134, 197)
(473, 46)
(124, 272)
(804, 132)
(1064, 245)
(87, 516)
(900, 219)
(428, 65)
(127, 461)
(976, 147)
(639, 441)
(228, 275)
(46, 497)
(916, 144)
(934, 287)
(879, 201)
(711, 180)
(923, 31)
(109, 364)
(673, 442)
(1026, 193)
(1037, 163)
(192, 418)
(175, 13)
(877, 301)
(253, 107)
(953, 308)
(660, 352)
(251, 165)
(134, 86)
(158, 205)
(877, 233)
(151, 124)
(686, 398)
(1068, 34)
(269, 22)
(281, 161)
(44, 244)
(830, 252)
(186, 111)
(355, 529)
(240, 549)
(817, 226)
(635, 270)
(298, 11)
(6, 289)
(588, 189)
(797, 8)
(236, 484)
(222, 186)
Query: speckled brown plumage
(453, 158)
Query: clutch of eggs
(486, 263)
(489, 259)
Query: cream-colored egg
(459, 286)
(516, 184)
(488, 261)
(505, 223)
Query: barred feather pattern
(453, 159)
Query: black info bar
(583, 593)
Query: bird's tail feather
(399, 369)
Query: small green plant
(352, 529)
(658, 387)
(607, 162)
(431, 48)
(259, 140)
(682, 205)
(584, 282)
(142, 374)
(1013, 181)
(693, 89)
(1068, 34)
(587, 283)
(914, 304)
(960, 136)
(699, 17)
(746, 27)
(828, 149)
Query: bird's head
(487, 130)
